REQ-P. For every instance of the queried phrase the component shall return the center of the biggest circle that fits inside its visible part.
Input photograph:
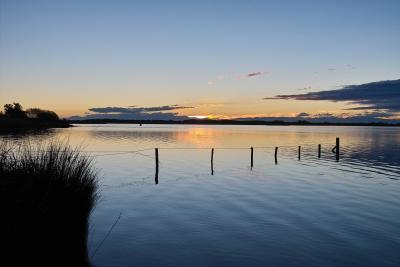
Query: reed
(47, 193)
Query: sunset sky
(217, 59)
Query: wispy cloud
(339, 68)
(250, 75)
(242, 76)
(304, 88)
(382, 95)
(219, 78)
(349, 66)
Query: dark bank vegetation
(14, 117)
(47, 193)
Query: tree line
(15, 111)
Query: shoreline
(228, 122)
(9, 125)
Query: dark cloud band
(382, 95)
(135, 113)
(134, 109)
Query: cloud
(134, 113)
(303, 114)
(248, 75)
(251, 75)
(164, 108)
(107, 110)
(219, 78)
(134, 109)
(350, 66)
(346, 67)
(304, 88)
(327, 114)
(254, 74)
(381, 96)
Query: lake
(308, 212)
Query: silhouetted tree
(14, 111)
(45, 115)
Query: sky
(216, 59)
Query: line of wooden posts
(335, 150)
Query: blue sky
(71, 56)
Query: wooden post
(212, 161)
(276, 155)
(156, 177)
(251, 156)
(319, 151)
(299, 151)
(337, 150)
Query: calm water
(308, 212)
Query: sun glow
(199, 117)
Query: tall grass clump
(47, 193)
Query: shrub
(48, 193)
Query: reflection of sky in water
(312, 212)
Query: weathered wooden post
(276, 155)
(156, 154)
(337, 150)
(251, 156)
(299, 151)
(212, 161)
(319, 151)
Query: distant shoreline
(15, 124)
(227, 122)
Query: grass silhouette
(47, 193)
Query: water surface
(308, 212)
